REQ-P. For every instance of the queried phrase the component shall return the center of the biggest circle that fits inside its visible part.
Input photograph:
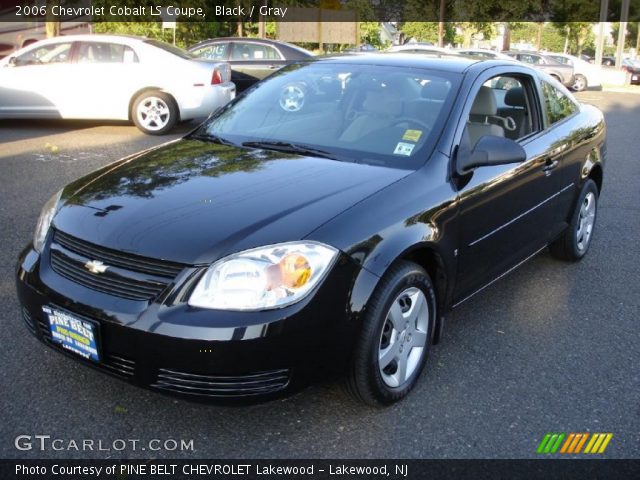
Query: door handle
(549, 165)
(273, 67)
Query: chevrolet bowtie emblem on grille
(96, 266)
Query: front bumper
(196, 353)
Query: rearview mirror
(491, 150)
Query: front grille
(127, 276)
(111, 363)
(26, 316)
(222, 386)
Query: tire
(579, 83)
(396, 336)
(574, 243)
(154, 112)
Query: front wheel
(574, 242)
(396, 335)
(155, 113)
(579, 83)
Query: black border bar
(547, 469)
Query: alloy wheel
(403, 338)
(153, 113)
(586, 219)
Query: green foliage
(187, 33)
(632, 34)
(370, 33)
(421, 31)
(580, 35)
(554, 35)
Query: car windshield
(362, 113)
(171, 49)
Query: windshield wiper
(288, 147)
(213, 138)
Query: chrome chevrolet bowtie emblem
(96, 266)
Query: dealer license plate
(72, 333)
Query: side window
(217, 51)
(96, 52)
(254, 51)
(501, 108)
(557, 105)
(53, 53)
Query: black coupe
(326, 221)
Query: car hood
(193, 202)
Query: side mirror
(491, 150)
(12, 62)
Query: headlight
(44, 222)
(264, 278)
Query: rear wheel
(574, 242)
(154, 112)
(393, 347)
(579, 82)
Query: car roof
(94, 37)
(455, 64)
(289, 47)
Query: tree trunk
(443, 5)
(539, 37)
(638, 42)
(52, 29)
(506, 39)
(566, 40)
(240, 30)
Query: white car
(585, 74)
(110, 77)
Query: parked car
(421, 48)
(608, 61)
(561, 72)
(633, 67)
(365, 47)
(110, 77)
(585, 74)
(484, 53)
(261, 251)
(251, 59)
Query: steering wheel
(411, 120)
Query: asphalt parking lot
(553, 347)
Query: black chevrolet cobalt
(324, 222)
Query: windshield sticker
(404, 149)
(412, 135)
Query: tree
(52, 27)
(370, 33)
(632, 33)
(578, 35)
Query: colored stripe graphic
(581, 442)
(551, 442)
(598, 443)
(574, 442)
(566, 445)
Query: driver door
(507, 212)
